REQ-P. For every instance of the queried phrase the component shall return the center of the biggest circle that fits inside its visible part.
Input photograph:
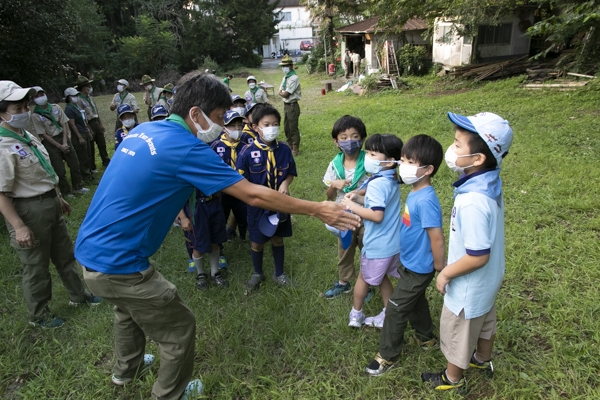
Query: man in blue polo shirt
(147, 182)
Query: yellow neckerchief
(272, 171)
(246, 129)
(232, 146)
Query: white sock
(214, 262)
(199, 263)
(356, 312)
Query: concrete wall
(292, 32)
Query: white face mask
(128, 123)
(74, 99)
(149, 87)
(269, 133)
(252, 85)
(285, 70)
(40, 101)
(90, 90)
(19, 121)
(372, 166)
(408, 173)
(233, 134)
(210, 134)
(120, 88)
(451, 157)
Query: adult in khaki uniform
(291, 93)
(356, 64)
(151, 94)
(166, 97)
(97, 130)
(123, 97)
(33, 210)
(51, 126)
(80, 129)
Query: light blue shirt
(422, 210)
(476, 228)
(382, 240)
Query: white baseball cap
(10, 91)
(123, 82)
(493, 129)
(251, 77)
(71, 92)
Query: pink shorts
(374, 269)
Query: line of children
(422, 249)
(381, 216)
(270, 163)
(345, 173)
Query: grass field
(293, 344)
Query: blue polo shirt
(252, 164)
(147, 183)
(422, 210)
(382, 240)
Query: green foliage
(369, 83)
(412, 59)
(209, 64)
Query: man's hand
(334, 215)
(66, 208)
(81, 140)
(24, 236)
(64, 148)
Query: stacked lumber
(388, 80)
(542, 74)
(494, 70)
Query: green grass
(284, 344)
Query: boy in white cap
(475, 267)
(51, 125)
(255, 94)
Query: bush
(369, 83)
(209, 64)
(412, 59)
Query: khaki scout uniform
(44, 126)
(151, 98)
(291, 111)
(88, 104)
(24, 180)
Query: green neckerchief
(27, 140)
(152, 94)
(47, 112)
(359, 171)
(122, 96)
(292, 72)
(177, 119)
(253, 91)
(90, 102)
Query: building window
(499, 34)
(467, 39)
(284, 16)
(446, 34)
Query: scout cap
(71, 92)
(286, 60)
(493, 129)
(250, 78)
(82, 81)
(124, 109)
(345, 236)
(168, 88)
(146, 79)
(123, 82)
(236, 97)
(230, 115)
(249, 108)
(10, 91)
(269, 222)
(159, 111)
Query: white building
(295, 26)
(502, 41)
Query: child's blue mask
(350, 146)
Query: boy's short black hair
(389, 145)
(259, 113)
(4, 105)
(202, 90)
(346, 122)
(424, 150)
(478, 145)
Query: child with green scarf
(344, 174)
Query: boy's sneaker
(356, 319)
(254, 282)
(220, 280)
(486, 366)
(223, 262)
(378, 366)
(369, 294)
(191, 267)
(193, 390)
(91, 300)
(376, 321)
(201, 281)
(338, 289)
(82, 190)
(426, 344)
(283, 280)
(148, 361)
(47, 323)
(440, 381)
